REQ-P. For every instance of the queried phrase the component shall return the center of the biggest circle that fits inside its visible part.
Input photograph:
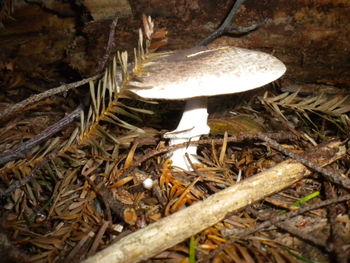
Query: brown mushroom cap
(204, 71)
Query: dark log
(64, 42)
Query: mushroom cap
(204, 71)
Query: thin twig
(330, 175)
(109, 49)
(309, 238)
(37, 97)
(271, 222)
(335, 243)
(25, 147)
(19, 183)
(228, 25)
(233, 138)
(99, 236)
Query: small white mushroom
(193, 75)
(147, 183)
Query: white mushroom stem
(192, 125)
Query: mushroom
(193, 75)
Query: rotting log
(175, 228)
(310, 37)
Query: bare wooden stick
(173, 229)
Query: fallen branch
(173, 229)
